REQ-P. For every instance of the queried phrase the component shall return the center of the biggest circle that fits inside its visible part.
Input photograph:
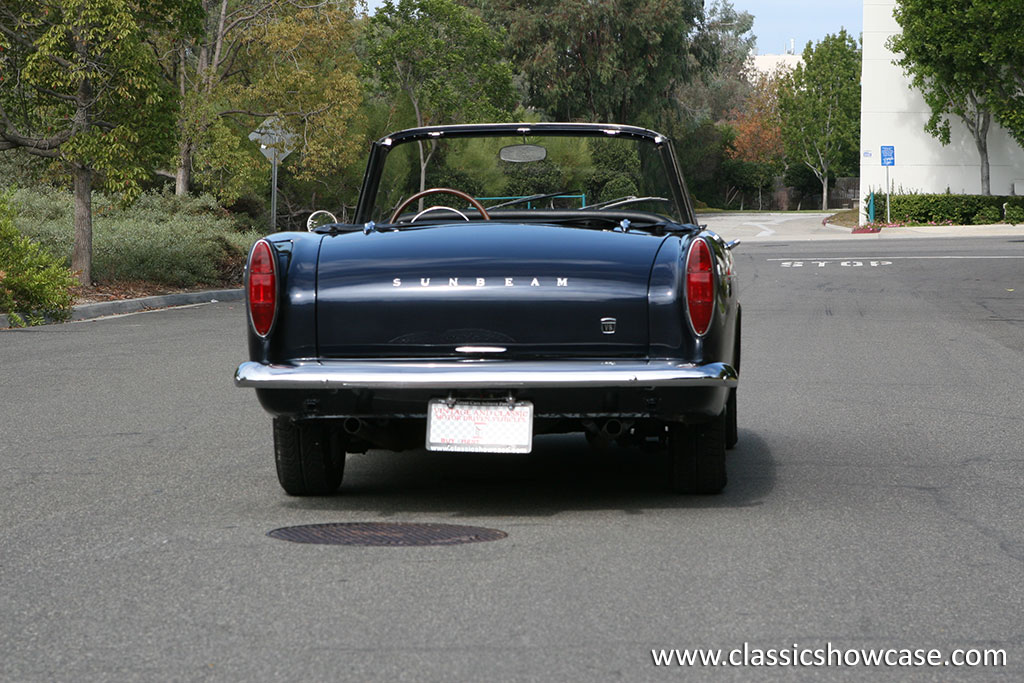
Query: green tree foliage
(34, 285)
(258, 58)
(699, 111)
(615, 171)
(443, 59)
(999, 22)
(819, 103)
(947, 49)
(615, 60)
(80, 85)
(702, 150)
(722, 82)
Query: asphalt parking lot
(875, 502)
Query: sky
(778, 21)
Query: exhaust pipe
(601, 436)
(612, 429)
(373, 434)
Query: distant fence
(842, 194)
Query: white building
(894, 115)
(769, 64)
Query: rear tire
(310, 457)
(732, 434)
(698, 457)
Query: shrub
(34, 284)
(160, 238)
(1014, 214)
(959, 209)
(987, 216)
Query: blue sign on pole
(888, 155)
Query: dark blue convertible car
(498, 282)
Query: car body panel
(581, 312)
(535, 290)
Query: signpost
(275, 144)
(888, 159)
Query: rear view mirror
(518, 154)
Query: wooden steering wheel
(440, 190)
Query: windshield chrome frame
(380, 149)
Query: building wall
(893, 114)
(768, 64)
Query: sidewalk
(775, 226)
(1000, 230)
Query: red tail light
(700, 286)
(262, 288)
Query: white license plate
(480, 426)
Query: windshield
(540, 174)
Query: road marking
(844, 264)
(890, 258)
(872, 262)
(765, 230)
(763, 225)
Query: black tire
(310, 457)
(698, 457)
(732, 434)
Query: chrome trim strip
(480, 349)
(480, 374)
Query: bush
(1014, 214)
(160, 238)
(960, 209)
(34, 284)
(987, 216)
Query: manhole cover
(386, 534)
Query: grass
(848, 218)
(161, 239)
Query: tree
(443, 59)
(614, 60)
(758, 123)
(1003, 51)
(721, 85)
(258, 58)
(757, 143)
(967, 59)
(942, 48)
(79, 87)
(819, 103)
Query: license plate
(480, 426)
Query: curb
(122, 306)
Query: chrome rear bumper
(482, 374)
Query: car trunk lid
(516, 290)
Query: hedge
(34, 285)
(958, 209)
(160, 238)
